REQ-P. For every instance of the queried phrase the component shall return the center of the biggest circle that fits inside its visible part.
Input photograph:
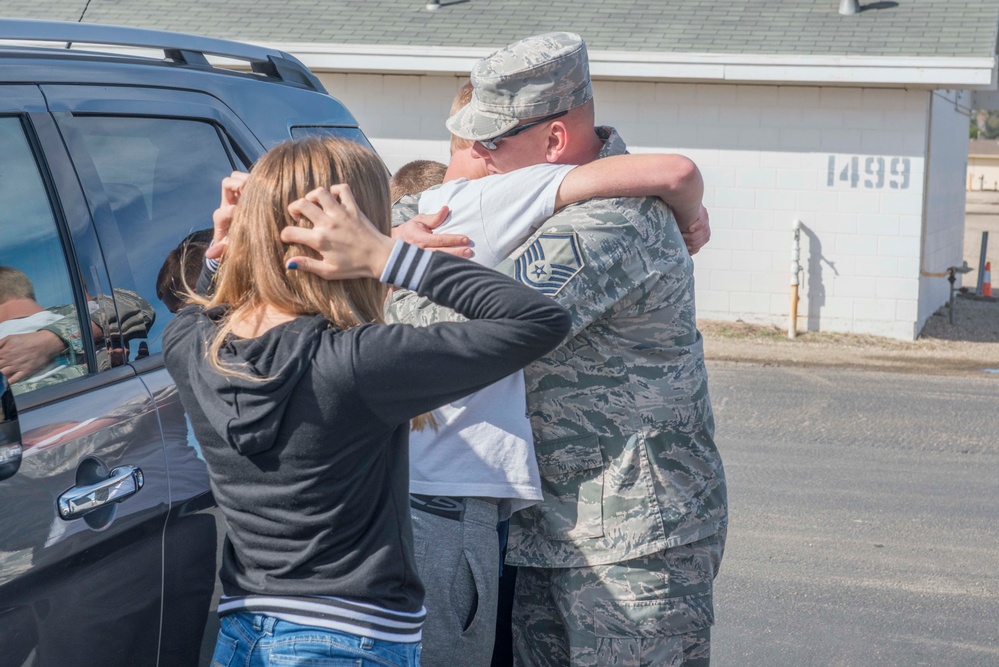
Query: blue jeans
(254, 640)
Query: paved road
(864, 510)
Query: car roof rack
(177, 47)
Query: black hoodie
(310, 465)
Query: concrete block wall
(943, 242)
(402, 116)
(983, 173)
(848, 162)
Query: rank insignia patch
(550, 262)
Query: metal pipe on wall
(792, 322)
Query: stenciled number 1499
(874, 172)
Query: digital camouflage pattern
(123, 318)
(68, 331)
(653, 611)
(537, 76)
(621, 416)
(405, 208)
(62, 374)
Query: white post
(792, 323)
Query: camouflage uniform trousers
(653, 611)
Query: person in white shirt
(478, 466)
(20, 314)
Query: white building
(856, 125)
(983, 165)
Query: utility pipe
(951, 275)
(981, 263)
(792, 322)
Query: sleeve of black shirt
(403, 371)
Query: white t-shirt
(498, 212)
(30, 324)
(483, 447)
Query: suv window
(35, 288)
(161, 177)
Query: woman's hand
(232, 188)
(349, 244)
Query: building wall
(847, 162)
(943, 238)
(403, 116)
(983, 172)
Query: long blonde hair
(253, 273)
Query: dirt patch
(970, 346)
(976, 320)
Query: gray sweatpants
(457, 555)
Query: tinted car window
(161, 177)
(35, 289)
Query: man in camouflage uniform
(115, 322)
(62, 342)
(616, 565)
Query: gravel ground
(970, 346)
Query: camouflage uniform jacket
(621, 416)
(122, 318)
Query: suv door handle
(123, 482)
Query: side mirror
(10, 433)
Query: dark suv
(108, 531)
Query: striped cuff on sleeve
(406, 266)
(212, 264)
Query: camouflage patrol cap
(534, 77)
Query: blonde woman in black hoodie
(301, 400)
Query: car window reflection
(40, 341)
(161, 179)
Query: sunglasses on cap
(490, 144)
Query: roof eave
(974, 73)
(970, 73)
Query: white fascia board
(979, 73)
(929, 76)
(373, 59)
(975, 73)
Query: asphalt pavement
(863, 518)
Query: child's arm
(673, 178)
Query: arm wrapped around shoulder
(478, 293)
(420, 368)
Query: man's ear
(558, 141)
